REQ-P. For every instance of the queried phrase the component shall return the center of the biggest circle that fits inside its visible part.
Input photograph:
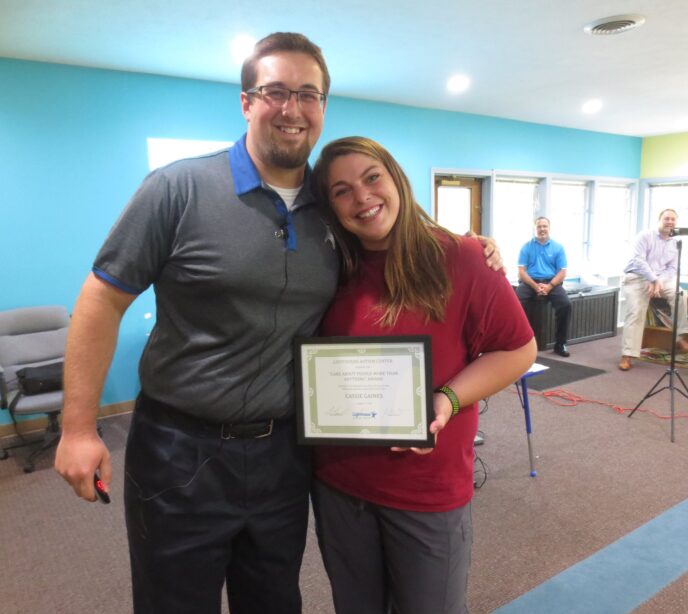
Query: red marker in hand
(100, 489)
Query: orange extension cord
(565, 398)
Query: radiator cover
(593, 316)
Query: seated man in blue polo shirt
(541, 272)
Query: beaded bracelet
(451, 395)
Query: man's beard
(283, 157)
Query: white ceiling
(528, 59)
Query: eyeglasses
(276, 96)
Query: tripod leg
(673, 402)
(684, 392)
(652, 391)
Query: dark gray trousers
(382, 560)
(202, 511)
(559, 300)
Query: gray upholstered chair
(31, 337)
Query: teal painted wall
(422, 139)
(73, 150)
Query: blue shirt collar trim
(246, 177)
(244, 171)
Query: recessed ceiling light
(241, 47)
(458, 83)
(614, 25)
(592, 106)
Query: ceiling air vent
(614, 25)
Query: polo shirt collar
(244, 171)
(246, 177)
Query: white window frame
(638, 207)
(644, 222)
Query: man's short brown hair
(282, 42)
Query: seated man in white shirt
(651, 273)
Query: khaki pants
(637, 301)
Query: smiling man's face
(282, 137)
(667, 222)
(542, 230)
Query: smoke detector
(614, 25)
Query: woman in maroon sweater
(394, 525)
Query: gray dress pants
(382, 560)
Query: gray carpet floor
(600, 476)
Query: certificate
(364, 390)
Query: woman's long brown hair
(415, 270)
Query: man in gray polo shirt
(216, 488)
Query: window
(593, 218)
(671, 196)
(458, 201)
(567, 216)
(165, 151)
(515, 203)
(611, 229)
(454, 208)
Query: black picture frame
(364, 381)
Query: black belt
(166, 414)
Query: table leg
(529, 431)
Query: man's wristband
(453, 399)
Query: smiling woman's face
(364, 198)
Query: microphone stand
(671, 372)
